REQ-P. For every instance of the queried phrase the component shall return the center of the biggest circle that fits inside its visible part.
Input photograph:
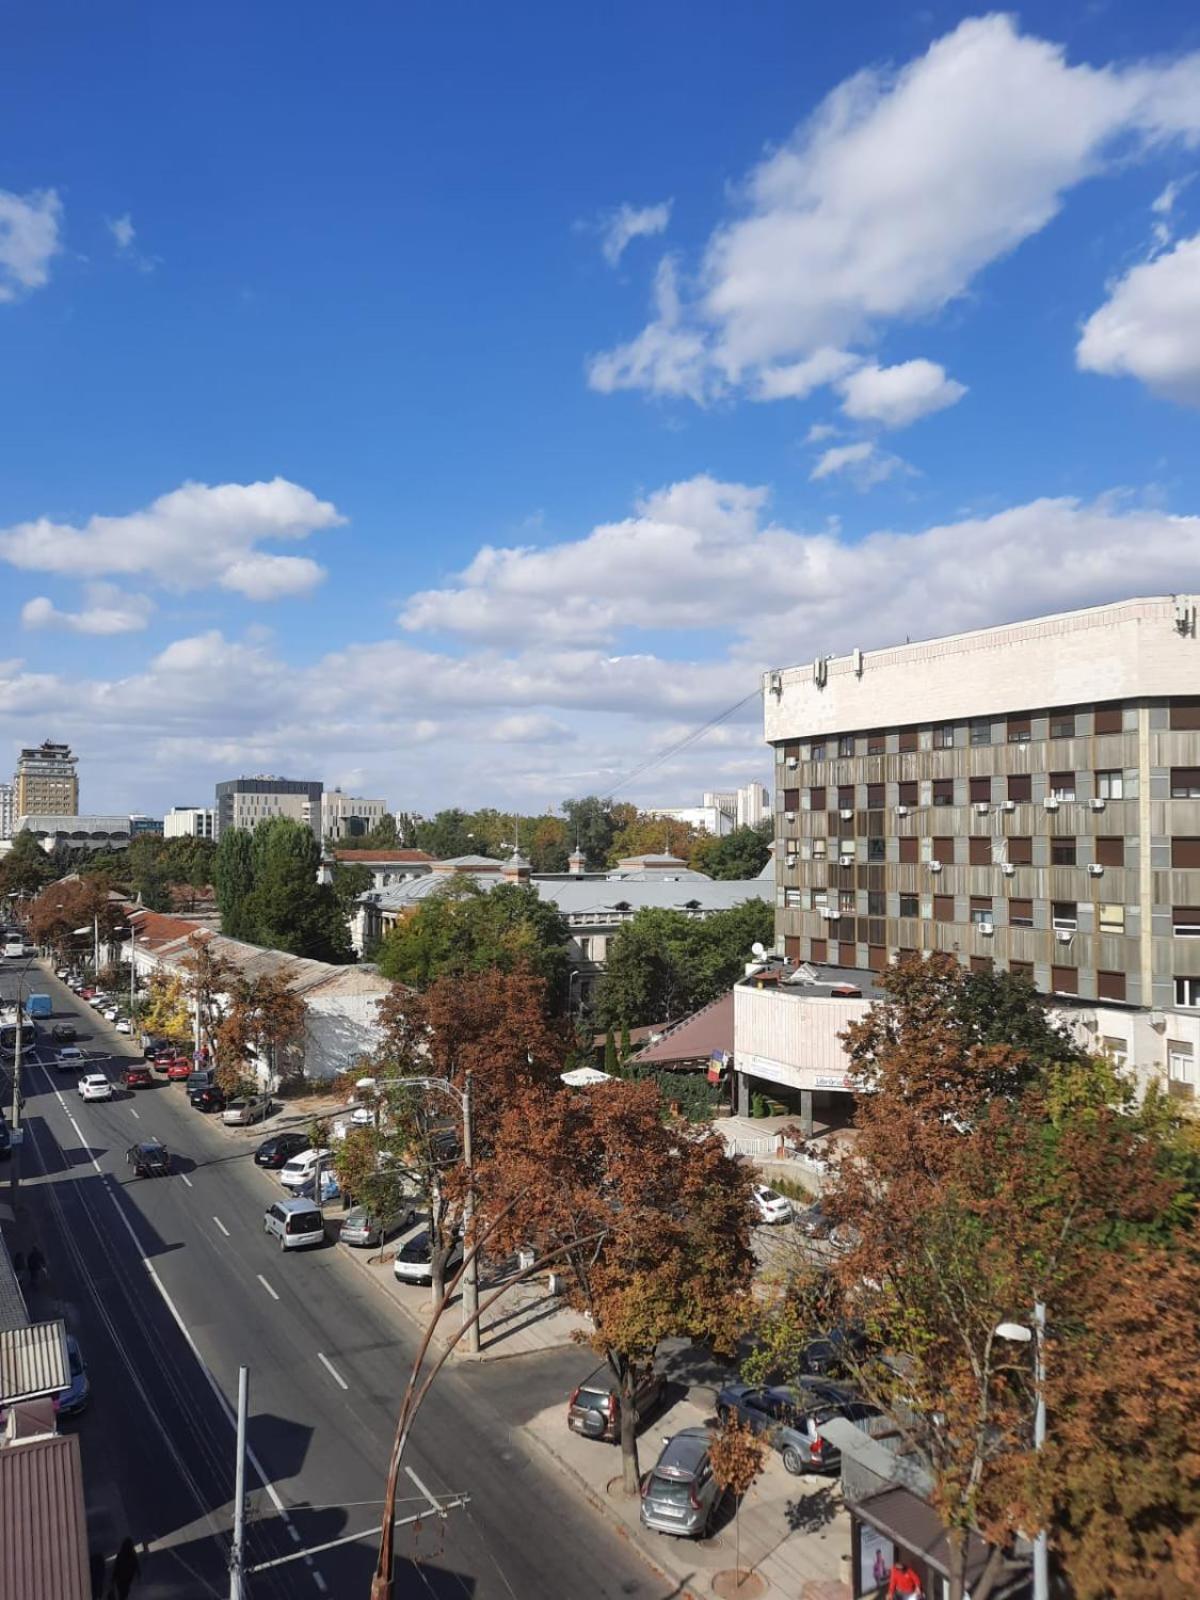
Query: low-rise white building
(190, 822)
(346, 816)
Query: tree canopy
(740, 854)
(269, 894)
(664, 964)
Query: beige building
(345, 816)
(190, 822)
(46, 782)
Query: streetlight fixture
(1019, 1333)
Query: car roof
(683, 1454)
(295, 1205)
(150, 1146)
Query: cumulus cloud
(902, 187)
(796, 380)
(897, 396)
(1149, 327)
(628, 222)
(863, 463)
(107, 610)
(666, 357)
(29, 239)
(195, 536)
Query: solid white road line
(266, 1286)
(337, 1377)
(222, 1226)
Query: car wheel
(792, 1461)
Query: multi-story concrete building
(1025, 797)
(245, 802)
(190, 822)
(721, 811)
(76, 832)
(46, 781)
(8, 814)
(345, 816)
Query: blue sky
(463, 405)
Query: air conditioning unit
(1064, 935)
(847, 814)
(830, 913)
(1097, 804)
(986, 929)
(1008, 805)
(846, 861)
(1095, 869)
(789, 816)
(1008, 869)
(902, 811)
(982, 808)
(793, 762)
(935, 866)
(1051, 802)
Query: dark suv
(279, 1149)
(789, 1417)
(595, 1407)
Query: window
(1181, 1069)
(908, 795)
(816, 752)
(1187, 992)
(1185, 852)
(1112, 918)
(791, 799)
(845, 797)
(876, 850)
(1062, 852)
(943, 791)
(846, 902)
(943, 736)
(876, 957)
(1020, 913)
(819, 949)
(846, 745)
(816, 799)
(876, 904)
(793, 900)
(818, 849)
(980, 848)
(1107, 719)
(981, 963)
(943, 908)
(1064, 914)
(943, 848)
(1110, 852)
(909, 849)
(1019, 730)
(1020, 787)
(1110, 784)
(1021, 969)
(1020, 851)
(1064, 980)
(1110, 985)
(1185, 921)
(981, 733)
(907, 741)
(820, 899)
(981, 909)
(1185, 714)
(876, 744)
(1185, 783)
(875, 796)
(910, 907)
(1062, 785)
(980, 790)
(1062, 724)
(1117, 1051)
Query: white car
(770, 1205)
(124, 1025)
(111, 1014)
(299, 1171)
(69, 1059)
(63, 972)
(362, 1117)
(95, 1087)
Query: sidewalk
(795, 1534)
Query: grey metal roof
(33, 1361)
(13, 1313)
(53, 822)
(601, 899)
(43, 1533)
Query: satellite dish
(758, 948)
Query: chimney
(576, 863)
(516, 869)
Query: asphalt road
(170, 1284)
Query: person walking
(126, 1568)
(37, 1265)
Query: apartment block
(8, 812)
(1024, 797)
(46, 781)
(345, 816)
(245, 802)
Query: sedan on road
(95, 1086)
(137, 1076)
(680, 1493)
(150, 1159)
(279, 1149)
(123, 1025)
(69, 1059)
(111, 1014)
(63, 1033)
(769, 1205)
(177, 1068)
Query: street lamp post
(1020, 1334)
(14, 1177)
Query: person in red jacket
(903, 1582)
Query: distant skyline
(463, 407)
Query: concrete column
(806, 1113)
(742, 1101)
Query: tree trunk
(631, 1477)
(437, 1275)
(956, 1554)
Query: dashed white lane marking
(187, 1180)
(222, 1226)
(336, 1375)
(266, 1286)
(134, 1113)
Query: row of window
(1107, 784)
(1064, 914)
(986, 850)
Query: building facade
(190, 822)
(721, 811)
(46, 781)
(345, 816)
(76, 832)
(8, 813)
(245, 802)
(1024, 797)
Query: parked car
(123, 1025)
(295, 1223)
(414, 1259)
(137, 1076)
(208, 1097)
(111, 1014)
(814, 1222)
(94, 1086)
(63, 1033)
(200, 1078)
(279, 1149)
(594, 1408)
(679, 1493)
(154, 1046)
(247, 1109)
(177, 1068)
(69, 1402)
(302, 1169)
(361, 1226)
(789, 1417)
(69, 1059)
(149, 1159)
(834, 1351)
(769, 1205)
(62, 972)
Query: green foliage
(696, 1098)
(268, 892)
(610, 1054)
(739, 855)
(233, 876)
(383, 836)
(26, 868)
(641, 835)
(349, 881)
(593, 823)
(664, 964)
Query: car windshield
(768, 1194)
(672, 1491)
(416, 1249)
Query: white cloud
(798, 379)
(195, 536)
(1149, 327)
(903, 186)
(29, 239)
(633, 222)
(821, 431)
(122, 230)
(863, 462)
(897, 396)
(107, 611)
(665, 358)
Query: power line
(682, 744)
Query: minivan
(295, 1223)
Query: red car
(178, 1068)
(138, 1076)
(86, 994)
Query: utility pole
(237, 1553)
(470, 1303)
(1041, 1554)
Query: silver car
(246, 1109)
(361, 1226)
(679, 1493)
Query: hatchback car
(69, 1402)
(63, 1033)
(594, 1409)
(94, 1086)
(137, 1076)
(246, 1109)
(679, 1493)
(301, 1169)
(177, 1068)
(361, 1226)
(414, 1259)
(149, 1159)
(769, 1205)
(789, 1417)
(278, 1150)
(208, 1098)
(69, 1059)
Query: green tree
(446, 835)
(233, 876)
(592, 823)
(741, 854)
(383, 836)
(642, 835)
(664, 964)
(349, 881)
(610, 1054)
(288, 909)
(26, 868)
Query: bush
(696, 1098)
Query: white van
(295, 1223)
